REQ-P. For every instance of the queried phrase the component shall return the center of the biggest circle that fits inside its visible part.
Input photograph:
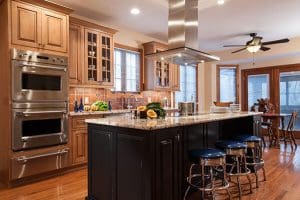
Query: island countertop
(168, 122)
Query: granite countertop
(168, 122)
(99, 112)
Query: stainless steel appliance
(28, 165)
(186, 108)
(39, 125)
(38, 77)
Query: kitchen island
(140, 159)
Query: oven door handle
(25, 159)
(44, 67)
(26, 113)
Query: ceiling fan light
(253, 49)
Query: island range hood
(183, 42)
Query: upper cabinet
(38, 27)
(95, 68)
(159, 75)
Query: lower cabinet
(79, 143)
(169, 165)
(136, 165)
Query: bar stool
(235, 161)
(207, 172)
(254, 159)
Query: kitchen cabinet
(75, 52)
(175, 81)
(79, 136)
(39, 28)
(169, 165)
(159, 75)
(96, 68)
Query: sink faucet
(129, 106)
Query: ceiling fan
(256, 44)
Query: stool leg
(203, 181)
(186, 192)
(238, 177)
(264, 173)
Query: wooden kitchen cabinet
(54, 31)
(159, 75)
(175, 82)
(26, 25)
(79, 138)
(38, 27)
(75, 52)
(96, 47)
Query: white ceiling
(218, 25)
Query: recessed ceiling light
(202, 61)
(221, 2)
(162, 58)
(135, 11)
(179, 55)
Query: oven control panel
(32, 56)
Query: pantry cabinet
(40, 28)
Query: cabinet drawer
(24, 166)
(79, 123)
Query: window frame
(197, 87)
(135, 50)
(237, 78)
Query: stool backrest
(292, 121)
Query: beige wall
(281, 54)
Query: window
(227, 78)
(188, 85)
(127, 71)
(258, 87)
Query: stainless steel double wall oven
(40, 100)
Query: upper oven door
(40, 127)
(36, 82)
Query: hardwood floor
(282, 167)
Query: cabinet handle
(165, 142)
(108, 135)
(178, 137)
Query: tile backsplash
(117, 99)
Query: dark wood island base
(152, 164)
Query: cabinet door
(91, 69)
(101, 163)
(54, 31)
(79, 140)
(75, 54)
(26, 25)
(168, 165)
(175, 69)
(107, 66)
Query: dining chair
(288, 131)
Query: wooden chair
(288, 132)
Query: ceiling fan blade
(276, 41)
(239, 50)
(234, 45)
(265, 48)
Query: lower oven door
(41, 127)
(24, 166)
(33, 82)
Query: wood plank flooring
(282, 167)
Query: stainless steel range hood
(183, 42)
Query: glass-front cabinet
(159, 75)
(98, 58)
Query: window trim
(135, 50)
(237, 78)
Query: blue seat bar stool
(207, 172)
(236, 161)
(254, 160)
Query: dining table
(275, 119)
